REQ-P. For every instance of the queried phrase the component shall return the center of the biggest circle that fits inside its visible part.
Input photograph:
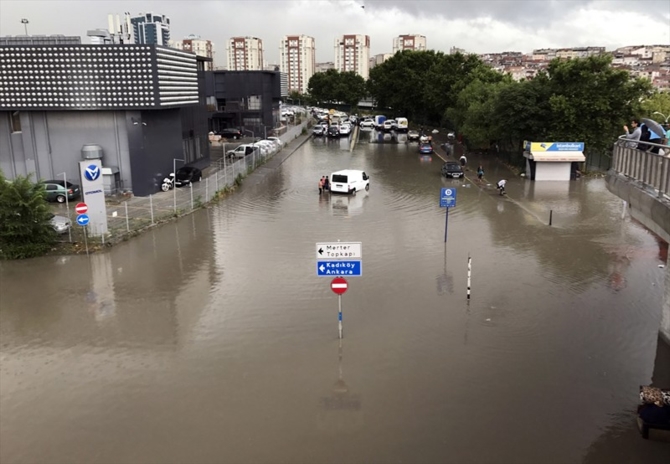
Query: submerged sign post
(339, 259)
(447, 200)
(93, 195)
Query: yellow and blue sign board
(539, 147)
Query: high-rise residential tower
(409, 42)
(297, 60)
(151, 28)
(352, 53)
(245, 54)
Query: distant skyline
(475, 26)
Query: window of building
(15, 121)
(255, 102)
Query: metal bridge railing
(650, 169)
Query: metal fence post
(125, 204)
(191, 189)
(151, 208)
(216, 180)
(206, 189)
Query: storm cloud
(474, 25)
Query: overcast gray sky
(477, 26)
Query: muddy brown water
(211, 340)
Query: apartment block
(409, 42)
(201, 47)
(245, 54)
(297, 55)
(352, 53)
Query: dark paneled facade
(245, 99)
(96, 77)
(143, 104)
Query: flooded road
(211, 340)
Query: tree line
(572, 100)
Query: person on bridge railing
(645, 136)
(635, 135)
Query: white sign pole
(86, 240)
(67, 206)
(469, 274)
(339, 315)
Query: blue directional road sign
(339, 268)
(447, 197)
(83, 219)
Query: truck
(379, 121)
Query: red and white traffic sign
(81, 208)
(339, 285)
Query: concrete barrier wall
(651, 210)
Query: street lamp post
(67, 205)
(25, 22)
(174, 182)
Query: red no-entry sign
(81, 208)
(339, 285)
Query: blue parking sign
(447, 197)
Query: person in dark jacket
(645, 135)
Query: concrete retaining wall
(653, 212)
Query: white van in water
(349, 181)
(403, 125)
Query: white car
(349, 181)
(367, 124)
(241, 151)
(277, 141)
(388, 124)
(345, 129)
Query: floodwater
(211, 340)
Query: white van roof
(346, 172)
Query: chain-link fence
(127, 217)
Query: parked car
(234, 134)
(334, 131)
(402, 125)
(345, 129)
(60, 224)
(388, 125)
(349, 181)
(277, 141)
(319, 130)
(187, 175)
(56, 190)
(452, 169)
(413, 136)
(425, 149)
(241, 151)
(367, 124)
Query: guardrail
(652, 170)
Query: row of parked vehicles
(333, 130)
(265, 147)
(380, 123)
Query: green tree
(25, 227)
(590, 101)
(658, 102)
(421, 85)
(349, 88)
(321, 86)
(474, 112)
(522, 112)
(333, 86)
(399, 82)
